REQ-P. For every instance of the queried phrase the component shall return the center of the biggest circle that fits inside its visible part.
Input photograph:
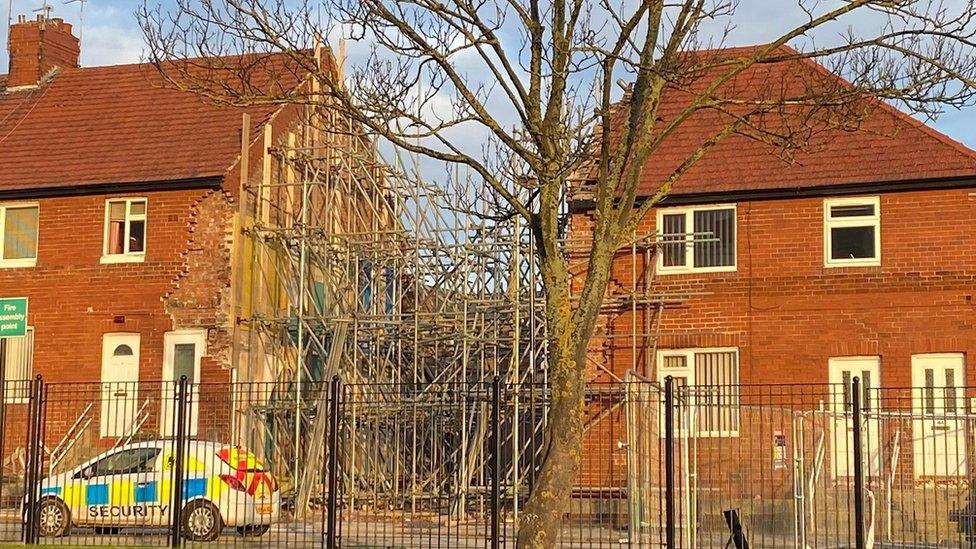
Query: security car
(132, 486)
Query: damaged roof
(121, 125)
(884, 146)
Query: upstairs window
(125, 230)
(852, 232)
(697, 239)
(18, 235)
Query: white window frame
(862, 221)
(126, 256)
(30, 372)
(688, 372)
(27, 261)
(689, 213)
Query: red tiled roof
(115, 124)
(887, 146)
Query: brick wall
(75, 300)
(788, 314)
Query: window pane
(674, 238)
(137, 208)
(137, 460)
(674, 361)
(950, 391)
(116, 211)
(20, 233)
(137, 236)
(848, 400)
(184, 359)
(123, 350)
(715, 238)
(852, 243)
(929, 391)
(16, 356)
(866, 390)
(116, 237)
(857, 210)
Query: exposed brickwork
(74, 300)
(201, 291)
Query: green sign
(13, 316)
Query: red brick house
(117, 200)
(852, 256)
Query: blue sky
(111, 36)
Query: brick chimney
(37, 47)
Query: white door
(841, 372)
(120, 384)
(938, 405)
(182, 351)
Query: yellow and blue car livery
(223, 486)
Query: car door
(110, 486)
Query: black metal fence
(452, 465)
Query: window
(126, 462)
(852, 232)
(18, 235)
(697, 239)
(16, 359)
(706, 381)
(125, 230)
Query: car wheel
(53, 518)
(201, 521)
(254, 530)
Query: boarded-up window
(707, 385)
(717, 392)
(16, 358)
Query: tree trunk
(542, 517)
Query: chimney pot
(38, 47)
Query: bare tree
(536, 83)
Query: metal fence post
(176, 498)
(669, 462)
(332, 509)
(33, 467)
(858, 465)
(496, 462)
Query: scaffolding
(353, 265)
